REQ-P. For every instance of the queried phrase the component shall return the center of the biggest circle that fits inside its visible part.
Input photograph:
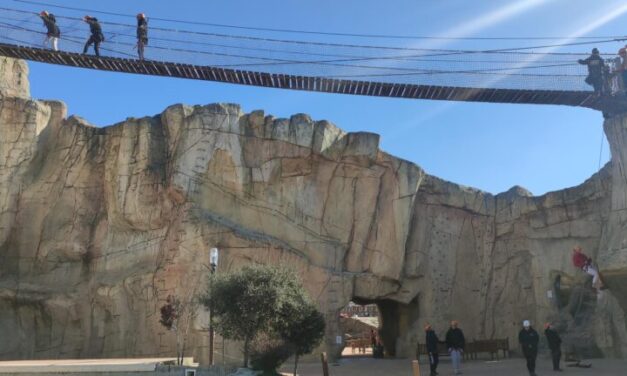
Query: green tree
(302, 328)
(258, 300)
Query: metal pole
(325, 364)
(213, 269)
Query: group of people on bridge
(607, 78)
(96, 35)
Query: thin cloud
(493, 18)
(610, 13)
(469, 28)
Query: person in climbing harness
(431, 339)
(96, 36)
(529, 339)
(455, 343)
(583, 262)
(596, 67)
(53, 34)
(142, 34)
(555, 344)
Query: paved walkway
(509, 367)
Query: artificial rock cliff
(99, 225)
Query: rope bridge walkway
(514, 75)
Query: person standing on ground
(53, 34)
(142, 34)
(455, 342)
(529, 339)
(555, 343)
(432, 349)
(96, 36)
(373, 337)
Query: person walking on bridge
(96, 36)
(455, 342)
(142, 34)
(555, 344)
(529, 339)
(596, 67)
(431, 339)
(53, 34)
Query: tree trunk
(295, 363)
(179, 361)
(246, 345)
(183, 350)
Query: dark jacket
(432, 341)
(50, 22)
(553, 339)
(142, 30)
(595, 65)
(95, 29)
(455, 339)
(529, 341)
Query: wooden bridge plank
(137, 66)
(255, 77)
(427, 93)
(434, 92)
(228, 74)
(117, 64)
(160, 69)
(267, 79)
(130, 66)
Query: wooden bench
(490, 346)
(421, 349)
(473, 348)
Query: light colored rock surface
(14, 78)
(99, 225)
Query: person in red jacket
(583, 262)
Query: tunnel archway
(394, 324)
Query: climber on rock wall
(583, 262)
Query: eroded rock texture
(99, 225)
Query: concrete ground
(83, 365)
(508, 367)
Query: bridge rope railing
(507, 68)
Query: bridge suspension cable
(313, 32)
(527, 68)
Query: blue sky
(488, 146)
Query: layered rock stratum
(99, 225)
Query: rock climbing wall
(99, 225)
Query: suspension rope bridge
(527, 74)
